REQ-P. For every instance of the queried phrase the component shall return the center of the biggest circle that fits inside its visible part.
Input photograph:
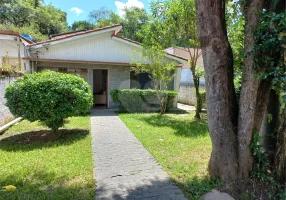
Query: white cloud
(130, 3)
(76, 10)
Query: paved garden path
(124, 169)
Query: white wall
(187, 77)
(5, 115)
(100, 48)
(8, 43)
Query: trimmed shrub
(49, 97)
(136, 100)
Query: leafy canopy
(32, 17)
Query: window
(140, 81)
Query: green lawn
(180, 144)
(43, 165)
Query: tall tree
(232, 124)
(221, 101)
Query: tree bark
(248, 95)
(218, 63)
(280, 156)
(261, 105)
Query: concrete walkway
(185, 107)
(124, 169)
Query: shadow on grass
(29, 141)
(185, 128)
(43, 185)
(157, 189)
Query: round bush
(49, 97)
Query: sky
(78, 10)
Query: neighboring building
(12, 54)
(100, 56)
(13, 44)
(187, 88)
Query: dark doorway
(100, 88)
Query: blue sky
(78, 10)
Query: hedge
(137, 100)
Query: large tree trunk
(221, 100)
(248, 95)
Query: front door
(100, 88)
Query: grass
(43, 165)
(180, 144)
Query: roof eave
(74, 37)
(138, 45)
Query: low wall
(187, 94)
(5, 115)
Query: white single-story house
(187, 89)
(12, 50)
(100, 56)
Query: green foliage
(155, 33)
(269, 48)
(263, 171)
(32, 17)
(199, 72)
(153, 61)
(175, 24)
(50, 20)
(134, 19)
(133, 100)
(235, 23)
(49, 97)
(81, 25)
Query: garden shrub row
(137, 100)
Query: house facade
(100, 56)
